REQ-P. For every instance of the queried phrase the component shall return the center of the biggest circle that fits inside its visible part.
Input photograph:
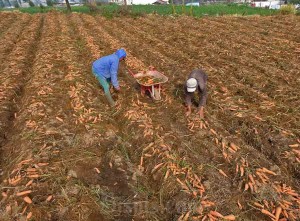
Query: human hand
(118, 89)
(188, 112)
(201, 112)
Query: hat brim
(191, 89)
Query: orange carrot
(242, 170)
(258, 205)
(49, 198)
(29, 183)
(229, 217)
(268, 171)
(246, 187)
(213, 131)
(240, 205)
(277, 213)
(233, 146)
(266, 212)
(223, 173)
(27, 200)
(24, 193)
(29, 215)
(251, 178)
(97, 170)
(216, 214)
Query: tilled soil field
(66, 155)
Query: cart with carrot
(150, 81)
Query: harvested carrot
(24, 193)
(213, 131)
(27, 200)
(156, 167)
(242, 170)
(29, 215)
(223, 173)
(49, 198)
(229, 217)
(268, 171)
(240, 205)
(42, 164)
(258, 205)
(29, 183)
(97, 170)
(216, 214)
(233, 146)
(266, 212)
(277, 213)
(33, 176)
(246, 187)
(251, 178)
(186, 216)
(294, 145)
(4, 194)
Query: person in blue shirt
(106, 69)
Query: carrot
(246, 187)
(24, 193)
(268, 171)
(251, 187)
(29, 183)
(42, 164)
(213, 131)
(186, 216)
(49, 198)
(266, 212)
(251, 178)
(167, 174)
(233, 146)
(59, 119)
(29, 215)
(277, 213)
(156, 167)
(223, 173)
(27, 200)
(258, 205)
(237, 168)
(229, 217)
(33, 176)
(97, 170)
(285, 213)
(216, 214)
(242, 170)
(240, 205)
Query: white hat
(191, 84)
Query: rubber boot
(110, 99)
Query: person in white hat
(196, 81)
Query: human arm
(188, 102)
(114, 74)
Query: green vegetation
(112, 10)
(287, 10)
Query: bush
(16, 4)
(287, 10)
(31, 4)
(49, 3)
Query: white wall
(140, 2)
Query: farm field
(65, 155)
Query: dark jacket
(201, 78)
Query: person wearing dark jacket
(196, 81)
(106, 69)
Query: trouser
(105, 84)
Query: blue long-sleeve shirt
(107, 67)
